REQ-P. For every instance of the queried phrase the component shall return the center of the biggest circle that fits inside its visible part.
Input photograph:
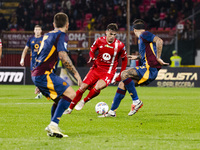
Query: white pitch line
(23, 103)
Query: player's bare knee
(124, 75)
(121, 85)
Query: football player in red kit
(103, 70)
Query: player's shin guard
(63, 104)
(53, 108)
(117, 99)
(130, 86)
(79, 94)
(93, 93)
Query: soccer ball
(101, 108)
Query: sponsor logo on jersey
(32, 42)
(106, 56)
(36, 46)
(108, 46)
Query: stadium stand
(98, 13)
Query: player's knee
(84, 87)
(121, 85)
(124, 75)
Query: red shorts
(93, 76)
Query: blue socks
(53, 108)
(63, 104)
(117, 99)
(130, 86)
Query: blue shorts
(51, 85)
(146, 74)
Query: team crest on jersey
(106, 56)
(64, 83)
(32, 42)
(108, 46)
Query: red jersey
(109, 53)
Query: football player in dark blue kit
(54, 48)
(33, 43)
(150, 49)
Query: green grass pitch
(169, 120)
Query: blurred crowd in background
(96, 14)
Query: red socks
(79, 94)
(93, 93)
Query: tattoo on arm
(159, 45)
(67, 61)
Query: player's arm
(93, 49)
(123, 67)
(66, 61)
(0, 53)
(24, 55)
(159, 46)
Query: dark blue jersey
(47, 59)
(147, 50)
(34, 43)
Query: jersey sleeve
(62, 44)
(0, 43)
(123, 51)
(28, 43)
(94, 46)
(148, 36)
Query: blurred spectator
(13, 22)
(3, 23)
(81, 62)
(175, 59)
(103, 12)
(0, 50)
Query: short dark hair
(139, 24)
(37, 26)
(112, 26)
(60, 19)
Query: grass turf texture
(169, 120)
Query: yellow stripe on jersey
(151, 46)
(50, 86)
(146, 74)
(50, 53)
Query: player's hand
(37, 91)
(117, 79)
(162, 62)
(91, 59)
(22, 62)
(132, 57)
(77, 76)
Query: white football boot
(110, 113)
(39, 96)
(80, 105)
(54, 131)
(135, 108)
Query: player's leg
(62, 105)
(77, 98)
(128, 78)
(103, 80)
(90, 79)
(120, 93)
(101, 84)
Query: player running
(53, 48)
(103, 70)
(150, 49)
(33, 43)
